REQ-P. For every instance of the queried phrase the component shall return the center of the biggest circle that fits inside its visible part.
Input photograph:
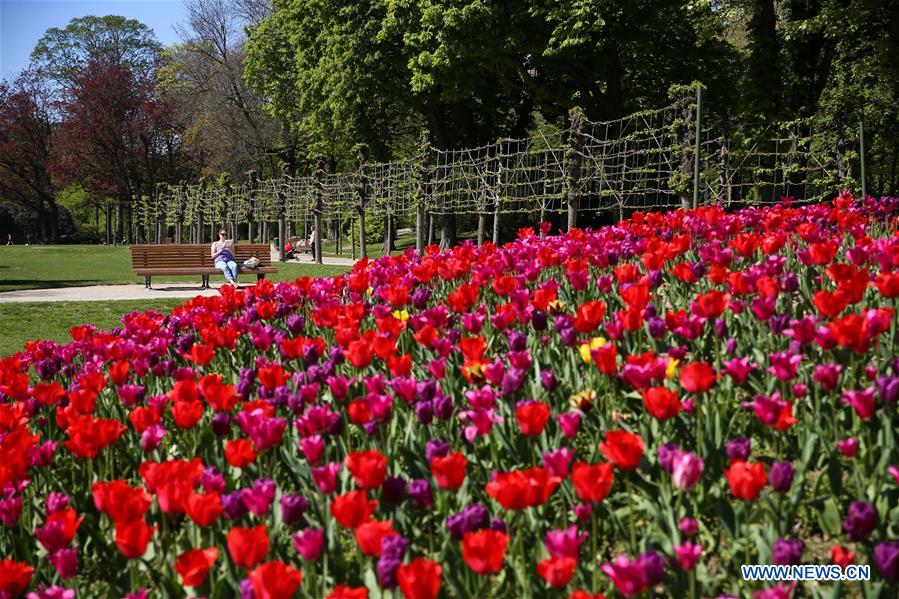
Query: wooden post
(573, 165)
(424, 191)
(362, 193)
(321, 166)
(498, 198)
(687, 144)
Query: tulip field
(632, 411)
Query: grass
(27, 321)
(53, 266)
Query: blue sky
(22, 22)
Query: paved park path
(160, 290)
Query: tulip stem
(593, 544)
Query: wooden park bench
(195, 259)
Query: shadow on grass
(18, 284)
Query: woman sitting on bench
(223, 259)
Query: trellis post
(698, 139)
(362, 193)
(320, 169)
(573, 164)
(686, 141)
(252, 186)
(179, 216)
(488, 192)
(160, 215)
(201, 191)
(281, 208)
(424, 192)
(861, 148)
(497, 194)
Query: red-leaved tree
(25, 146)
(116, 138)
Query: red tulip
(841, 556)
(710, 305)
(48, 394)
(240, 453)
(662, 403)
(132, 537)
(557, 572)
(121, 502)
(187, 414)
(697, 377)
(275, 580)
(59, 529)
(449, 471)
(589, 315)
(272, 376)
(623, 449)
(484, 550)
(888, 284)
(358, 353)
(184, 390)
(14, 577)
(419, 579)
(247, 546)
(118, 372)
(204, 508)
(370, 533)
(520, 489)
(606, 358)
(580, 594)
(369, 468)
(352, 509)
(592, 481)
(830, 303)
(221, 397)
(194, 565)
(532, 417)
(635, 296)
(200, 354)
(88, 435)
(746, 480)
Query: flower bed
(645, 406)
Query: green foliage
(61, 53)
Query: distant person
(9, 239)
(224, 259)
(312, 241)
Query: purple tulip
(787, 552)
(781, 476)
(860, 521)
(738, 449)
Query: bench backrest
(182, 255)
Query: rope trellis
(643, 161)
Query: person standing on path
(312, 241)
(224, 259)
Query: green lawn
(52, 266)
(28, 321)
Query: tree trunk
(448, 231)
(363, 249)
(763, 90)
(119, 222)
(389, 244)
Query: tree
(62, 53)
(117, 137)
(226, 125)
(25, 143)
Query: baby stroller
(294, 247)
